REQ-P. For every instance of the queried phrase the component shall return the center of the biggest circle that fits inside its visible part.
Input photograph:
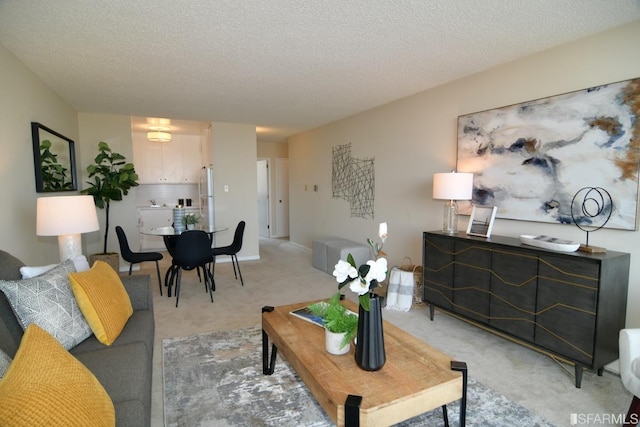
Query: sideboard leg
(352, 411)
(600, 371)
(579, 369)
(432, 311)
(268, 364)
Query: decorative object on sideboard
(112, 178)
(66, 217)
(551, 243)
(530, 158)
(591, 206)
(54, 160)
(451, 187)
(481, 221)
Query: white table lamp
(451, 187)
(66, 217)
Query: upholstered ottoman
(319, 252)
(339, 250)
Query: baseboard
(222, 259)
(304, 248)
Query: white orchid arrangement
(367, 277)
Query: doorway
(263, 198)
(282, 197)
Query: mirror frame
(40, 133)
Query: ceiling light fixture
(157, 136)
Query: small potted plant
(340, 324)
(190, 220)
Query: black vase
(370, 354)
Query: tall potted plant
(112, 179)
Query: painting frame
(54, 160)
(481, 221)
(531, 158)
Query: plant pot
(332, 343)
(191, 226)
(111, 258)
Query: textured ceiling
(285, 65)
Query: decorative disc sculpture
(591, 209)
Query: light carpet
(215, 379)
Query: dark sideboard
(569, 305)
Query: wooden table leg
(268, 364)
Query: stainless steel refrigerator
(206, 199)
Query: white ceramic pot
(332, 343)
(191, 226)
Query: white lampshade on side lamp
(451, 187)
(66, 217)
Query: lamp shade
(64, 215)
(453, 186)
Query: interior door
(263, 198)
(282, 198)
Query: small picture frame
(481, 221)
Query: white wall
(116, 131)
(25, 99)
(413, 138)
(234, 155)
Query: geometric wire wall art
(530, 159)
(353, 180)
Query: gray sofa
(124, 368)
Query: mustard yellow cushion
(46, 386)
(103, 300)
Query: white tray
(552, 243)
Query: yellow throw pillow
(103, 300)
(46, 386)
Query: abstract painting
(530, 159)
(354, 181)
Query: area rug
(216, 379)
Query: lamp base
(69, 246)
(450, 222)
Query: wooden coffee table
(415, 379)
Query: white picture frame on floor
(481, 221)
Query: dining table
(170, 236)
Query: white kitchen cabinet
(175, 162)
(152, 218)
(149, 218)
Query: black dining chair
(233, 249)
(192, 251)
(137, 257)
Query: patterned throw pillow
(46, 386)
(47, 300)
(5, 361)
